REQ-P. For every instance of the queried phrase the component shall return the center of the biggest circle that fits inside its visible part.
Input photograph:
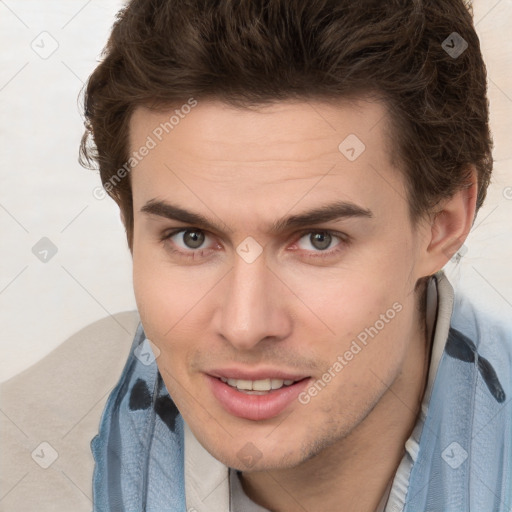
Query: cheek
(161, 307)
(344, 302)
(171, 305)
(157, 295)
(148, 290)
(164, 293)
(360, 330)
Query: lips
(263, 373)
(257, 395)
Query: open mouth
(258, 387)
(259, 399)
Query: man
(293, 176)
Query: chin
(253, 453)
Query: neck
(355, 472)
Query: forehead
(320, 150)
(277, 129)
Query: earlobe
(450, 225)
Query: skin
(290, 309)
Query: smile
(257, 386)
(256, 400)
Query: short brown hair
(251, 52)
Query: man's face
(252, 297)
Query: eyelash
(199, 253)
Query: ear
(449, 227)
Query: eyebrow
(326, 213)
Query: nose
(253, 306)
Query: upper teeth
(257, 385)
